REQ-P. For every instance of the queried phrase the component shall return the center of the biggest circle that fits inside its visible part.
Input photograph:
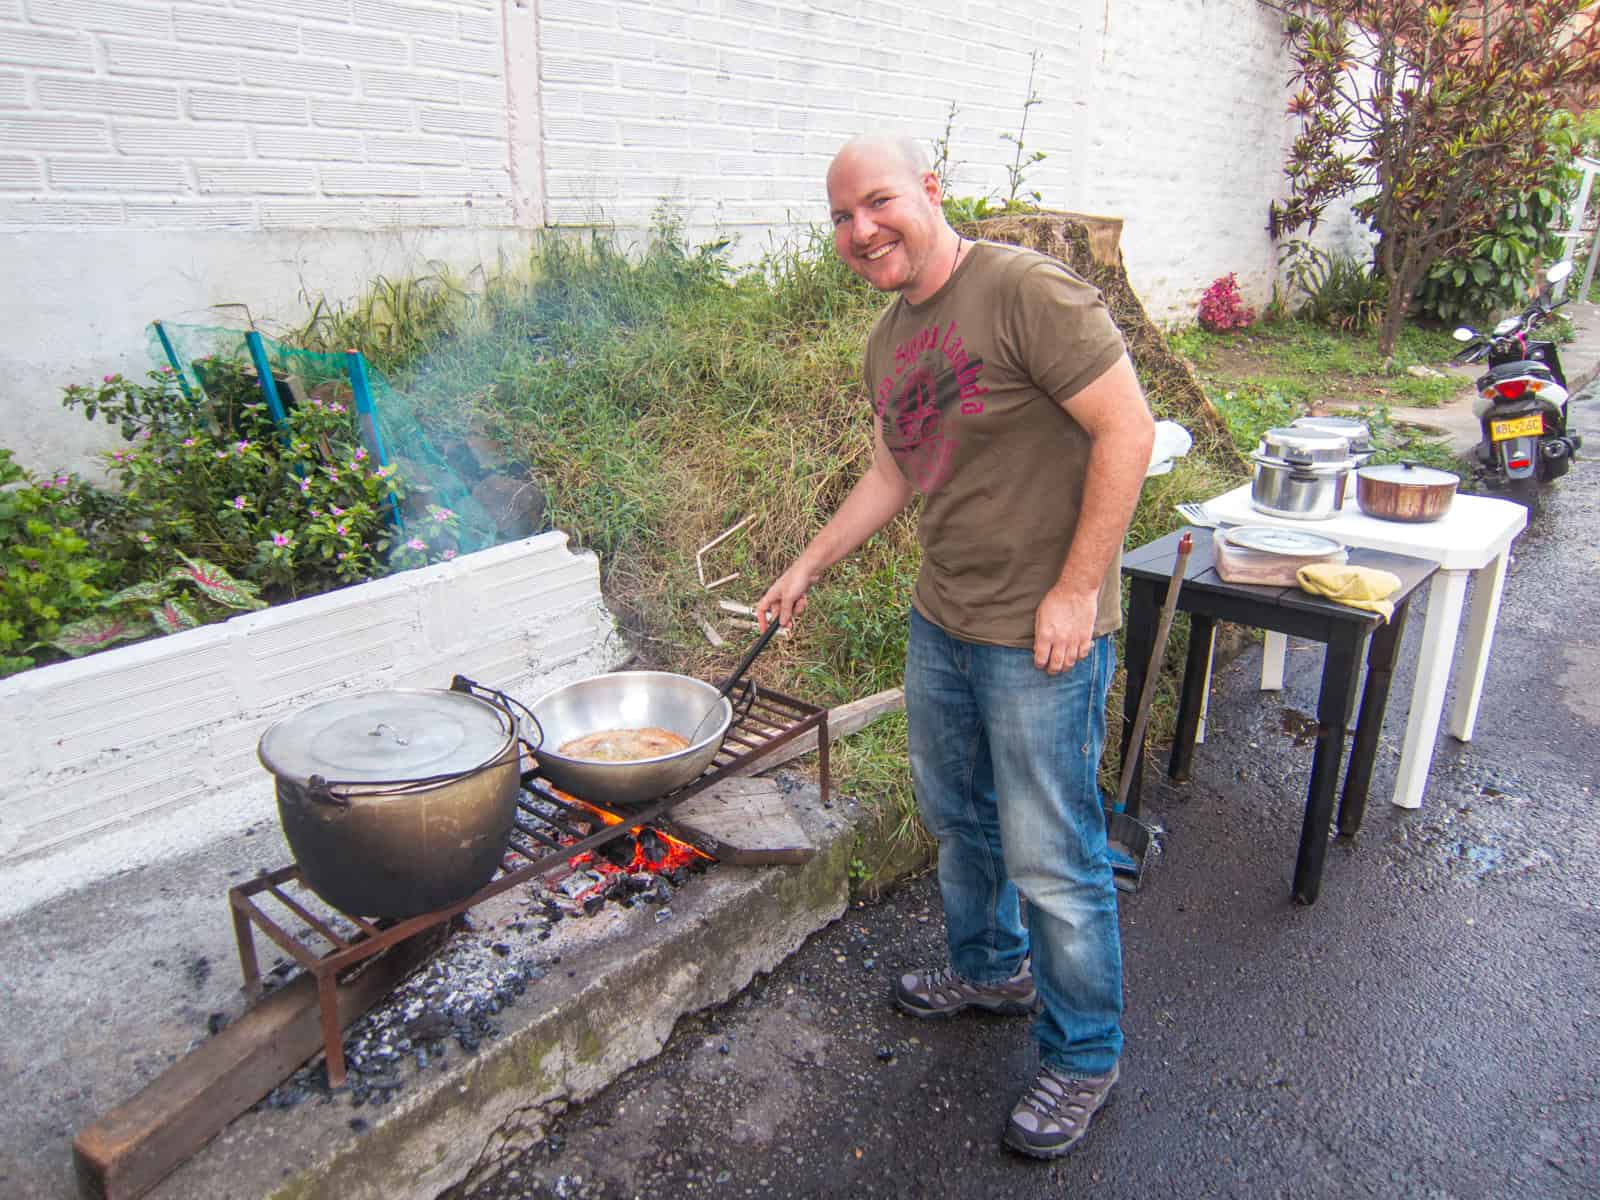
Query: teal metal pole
(172, 357)
(361, 389)
(269, 386)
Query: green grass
(660, 396)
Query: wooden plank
(846, 719)
(745, 822)
(135, 1145)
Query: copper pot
(396, 803)
(1404, 491)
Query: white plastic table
(1472, 539)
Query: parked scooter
(1522, 401)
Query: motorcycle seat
(1522, 368)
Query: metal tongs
(1128, 838)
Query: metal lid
(1274, 539)
(1353, 431)
(1304, 446)
(384, 737)
(1405, 472)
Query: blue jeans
(1004, 758)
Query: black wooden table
(1208, 598)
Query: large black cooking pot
(396, 803)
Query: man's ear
(931, 188)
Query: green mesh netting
(385, 417)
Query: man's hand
(786, 599)
(1063, 628)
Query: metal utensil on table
(733, 677)
(1128, 838)
(1196, 515)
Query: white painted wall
(144, 751)
(159, 157)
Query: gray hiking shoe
(1054, 1114)
(943, 993)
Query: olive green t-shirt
(968, 387)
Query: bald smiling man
(1004, 398)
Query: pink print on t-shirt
(933, 378)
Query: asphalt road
(1427, 1029)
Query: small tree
(1433, 112)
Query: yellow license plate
(1532, 426)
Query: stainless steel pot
(1299, 473)
(395, 803)
(630, 700)
(1355, 432)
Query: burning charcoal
(579, 882)
(619, 853)
(653, 844)
(640, 881)
(678, 876)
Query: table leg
(1374, 699)
(1205, 691)
(1273, 651)
(1339, 672)
(1192, 698)
(1140, 639)
(1488, 587)
(1445, 595)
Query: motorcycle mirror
(1463, 334)
(1559, 272)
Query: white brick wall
(328, 122)
(164, 90)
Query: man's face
(886, 220)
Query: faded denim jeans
(1004, 758)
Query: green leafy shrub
(1495, 272)
(48, 579)
(1333, 287)
(210, 477)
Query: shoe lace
(1052, 1095)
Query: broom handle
(1147, 692)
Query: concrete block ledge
(148, 749)
(614, 986)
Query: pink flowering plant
(1222, 308)
(294, 510)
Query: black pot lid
(381, 737)
(1404, 472)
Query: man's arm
(1112, 411)
(878, 495)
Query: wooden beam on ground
(745, 823)
(846, 719)
(135, 1145)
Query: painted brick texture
(138, 112)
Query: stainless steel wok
(629, 700)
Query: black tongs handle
(750, 657)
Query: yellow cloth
(1361, 587)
